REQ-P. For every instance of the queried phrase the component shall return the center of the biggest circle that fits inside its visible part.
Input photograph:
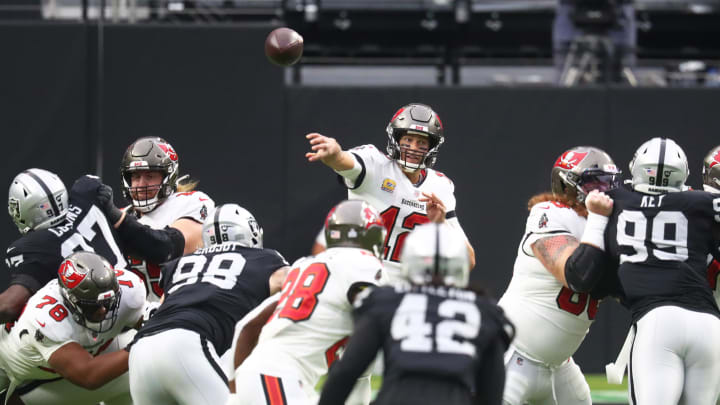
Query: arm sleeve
(153, 245)
(359, 353)
(490, 375)
(368, 156)
(585, 267)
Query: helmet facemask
(582, 169)
(149, 154)
(415, 119)
(85, 311)
(159, 192)
(90, 290)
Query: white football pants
(675, 358)
(176, 366)
(534, 383)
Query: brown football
(283, 46)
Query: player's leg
(569, 385)
(199, 378)
(150, 363)
(257, 388)
(63, 392)
(656, 371)
(525, 380)
(702, 359)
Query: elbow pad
(584, 268)
(153, 245)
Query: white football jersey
(47, 324)
(384, 185)
(194, 205)
(313, 319)
(550, 320)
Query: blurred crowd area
(661, 43)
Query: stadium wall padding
(240, 131)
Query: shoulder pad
(52, 319)
(280, 256)
(133, 290)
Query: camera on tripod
(592, 55)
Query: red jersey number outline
(300, 292)
(565, 302)
(389, 217)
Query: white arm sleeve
(455, 224)
(351, 174)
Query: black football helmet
(582, 169)
(88, 282)
(355, 223)
(150, 154)
(417, 119)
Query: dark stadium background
(239, 130)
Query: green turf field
(602, 392)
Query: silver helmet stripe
(216, 220)
(56, 210)
(661, 163)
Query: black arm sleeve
(153, 245)
(490, 376)
(584, 268)
(359, 353)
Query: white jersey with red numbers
(47, 324)
(384, 185)
(550, 320)
(193, 205)
(313, 318)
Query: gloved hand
(105, 198)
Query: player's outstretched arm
(78, 366)
(153, 245)
(586, 265)
(12, 302)
(328, 151)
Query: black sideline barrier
(240, 132)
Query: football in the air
(284, 46)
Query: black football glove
(105, 198)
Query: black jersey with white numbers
(661, 243)
(434, 331)
(210, 290)
(34, 259)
